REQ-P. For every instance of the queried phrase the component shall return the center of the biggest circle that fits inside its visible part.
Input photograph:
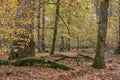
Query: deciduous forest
(59, 39)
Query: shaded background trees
(77, 23)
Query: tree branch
(65, 24)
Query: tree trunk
(119, 29)
(32, 45)
(55, 28)
(62, 45)
(22, 48)
(38, 40)
(118, 50)
(77, 43)
(68, 44)
(38, 26)
(69, 22)
(97, 8)
(99, 62)
(43, 29)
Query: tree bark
(43, 29)
(97, 8)
(78, 43)
(39, 26)
(55, 28)
(68, 44)
(32, 27)
(119, 29)
(118, 50)
(62, 45)
(99, 62)
(69, 22)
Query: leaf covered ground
(83, 70)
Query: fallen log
(32, 61)
(86, 56)
(62, 57)
(78, 55)
(56, 65)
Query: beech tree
(118, 49)
(100, 48)
(119, 29)
(55, 28)
(43, 29)
(38, 10)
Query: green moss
(44, 57)
(98, 59)
(4, 62)
(22, 56)
(60, 66)
(97, 63)
(28, 61)
(11, 56)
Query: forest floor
(83, 70)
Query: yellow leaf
(8, 78)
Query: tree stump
(22, 47)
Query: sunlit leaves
(13, 3)
(81, 13)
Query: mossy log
(29, 61)
(4, 62)
(57, 65)
(32, 60)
